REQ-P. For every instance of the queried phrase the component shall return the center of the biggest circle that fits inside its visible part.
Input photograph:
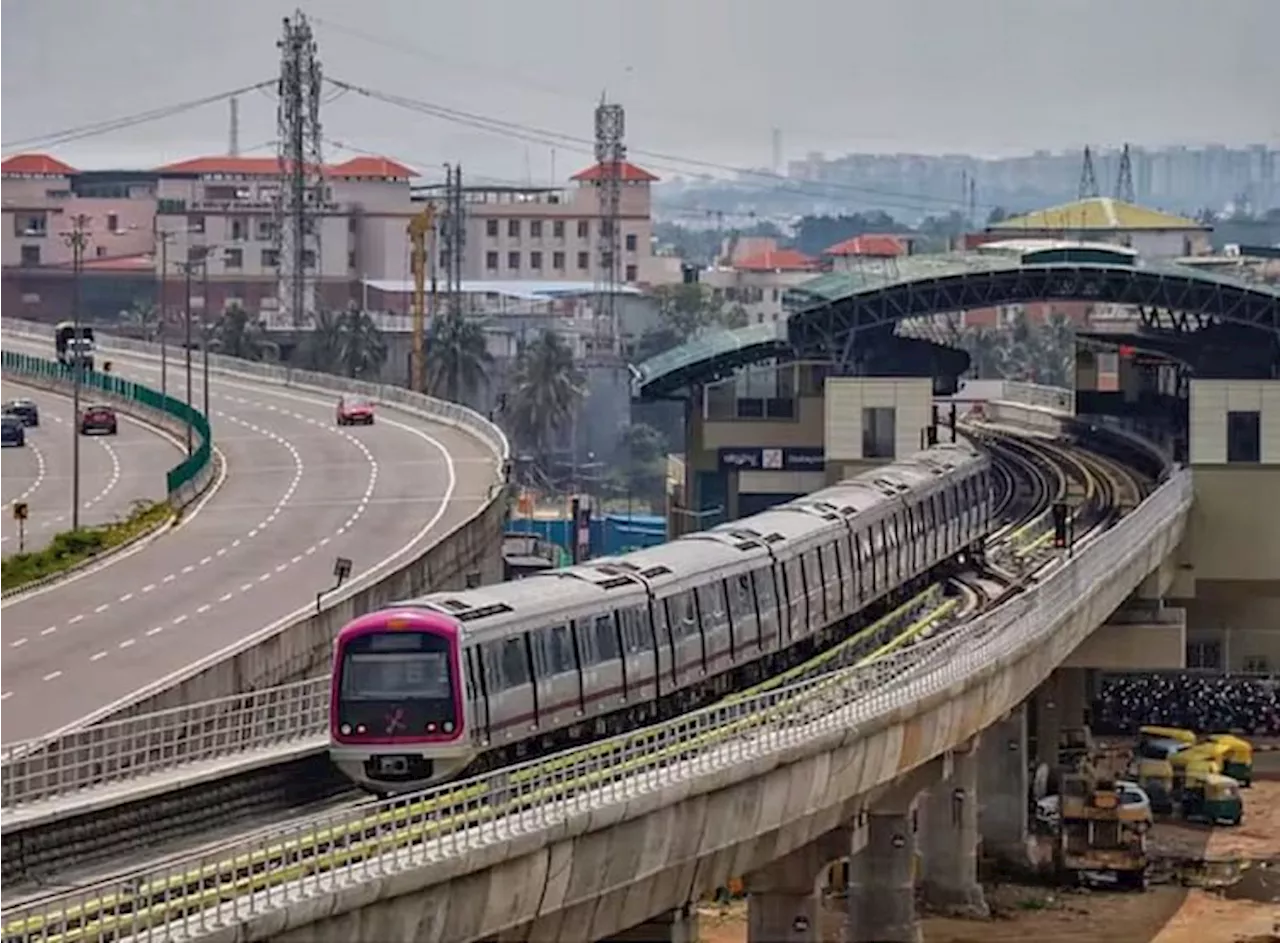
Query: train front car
(397, 716)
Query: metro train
(428, 688)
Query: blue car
(12, 432)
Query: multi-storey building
(753, 273)
(222, 208)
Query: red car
(98, 418)
(353, 411)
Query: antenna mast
(301, 192)
(1124, 179)
(610, 154)
(233, 142)
(1088, 179)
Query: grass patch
(72, 547)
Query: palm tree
(363, 350)
(321, 349)
(457, 356)
(144, 316)
(237, 335)
(547, 388)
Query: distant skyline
(706, 80)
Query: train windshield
(396, 666)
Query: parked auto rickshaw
(1238, 763)
(1194, 762)
(1212, 798)
(1186, 737)
(1155, 776)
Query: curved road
(115, 471)
(298, 492)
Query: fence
(186, 479)
(241, 880)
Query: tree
(145, 317)
(684, 312)
(641, 454)
(546, 389)
(457, 356)
(237, 335)
(346, 342)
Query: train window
(562, 658)
(491, 662)
(763, 578)
(515, 668)
(742, 586)
(606, 638)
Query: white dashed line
(18, 644)
(224, 597)
(74, 619)
(103, 608)
(48, 631)
(127, 643)
(52, 676)
(149, 587)
(6, 695)
(201, 610)
(125, 598)
(156, 631)
(98, 656)
(178, 620)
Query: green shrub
(72, 547)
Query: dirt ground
(1247, 911)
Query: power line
(656, 159)
(55, 138)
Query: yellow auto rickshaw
(1186, 737)
(1156, 778)
(1212, 798)
(1238, 762)
(1194, 762)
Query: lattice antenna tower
(610, 154)
(300, 196)
(1088, 178)
(1124, 179)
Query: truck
(1099, 831)
(74, 345)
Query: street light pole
(187, 269)
(164, 238)
(204, 330)
(77, 239)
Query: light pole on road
(77, 238)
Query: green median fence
(186, 480)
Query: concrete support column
(783, 905)
(949, 840)
(1048, 708)
(1003, 788)
(1073, 695)
(882, 897)
(674, 926)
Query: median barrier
(300, 645)
(187, 480)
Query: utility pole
(204, 327)
(301, 193)
(1124, 179)
(164, 236)
(420, 227)
(186, 267)
(1088, 178)
(610, 153)
(77, 239)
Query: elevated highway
(115, 471)
(298, 492)
(771, 788)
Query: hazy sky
(706, 79)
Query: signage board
(748, 458)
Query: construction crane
(420, 226)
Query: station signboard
(795, 458)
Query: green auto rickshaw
(1212, 798)
(1155, 776)
(1238, 761)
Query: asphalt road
(298, 492)
(115, 471)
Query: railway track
(142, 901)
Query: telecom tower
(1088, 179)
(610, 155)
(301, 192)
(1124, 179)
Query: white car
(1131, 795)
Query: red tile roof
(630, 173)
(775, 260)
(36, 164)
(873, 244)
(373, 167)
(270, 167)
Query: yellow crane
(420, 226)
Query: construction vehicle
(1098, 832)
(73, 345)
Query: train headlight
(345, 729)
(431, 728)
(360, 728)
(448, 726)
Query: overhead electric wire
(56, 138)
(657, 159)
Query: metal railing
(181, 475)
(1046, 397)
(248, 878)
(116, 751)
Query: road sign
(19, 510)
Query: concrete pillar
(1048, 708)
(782, 904)
(1003, 788)
(949, 840)
(882, 893)
(1073, 695)
(674, 926)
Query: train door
(477, 695)
(768, 606)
